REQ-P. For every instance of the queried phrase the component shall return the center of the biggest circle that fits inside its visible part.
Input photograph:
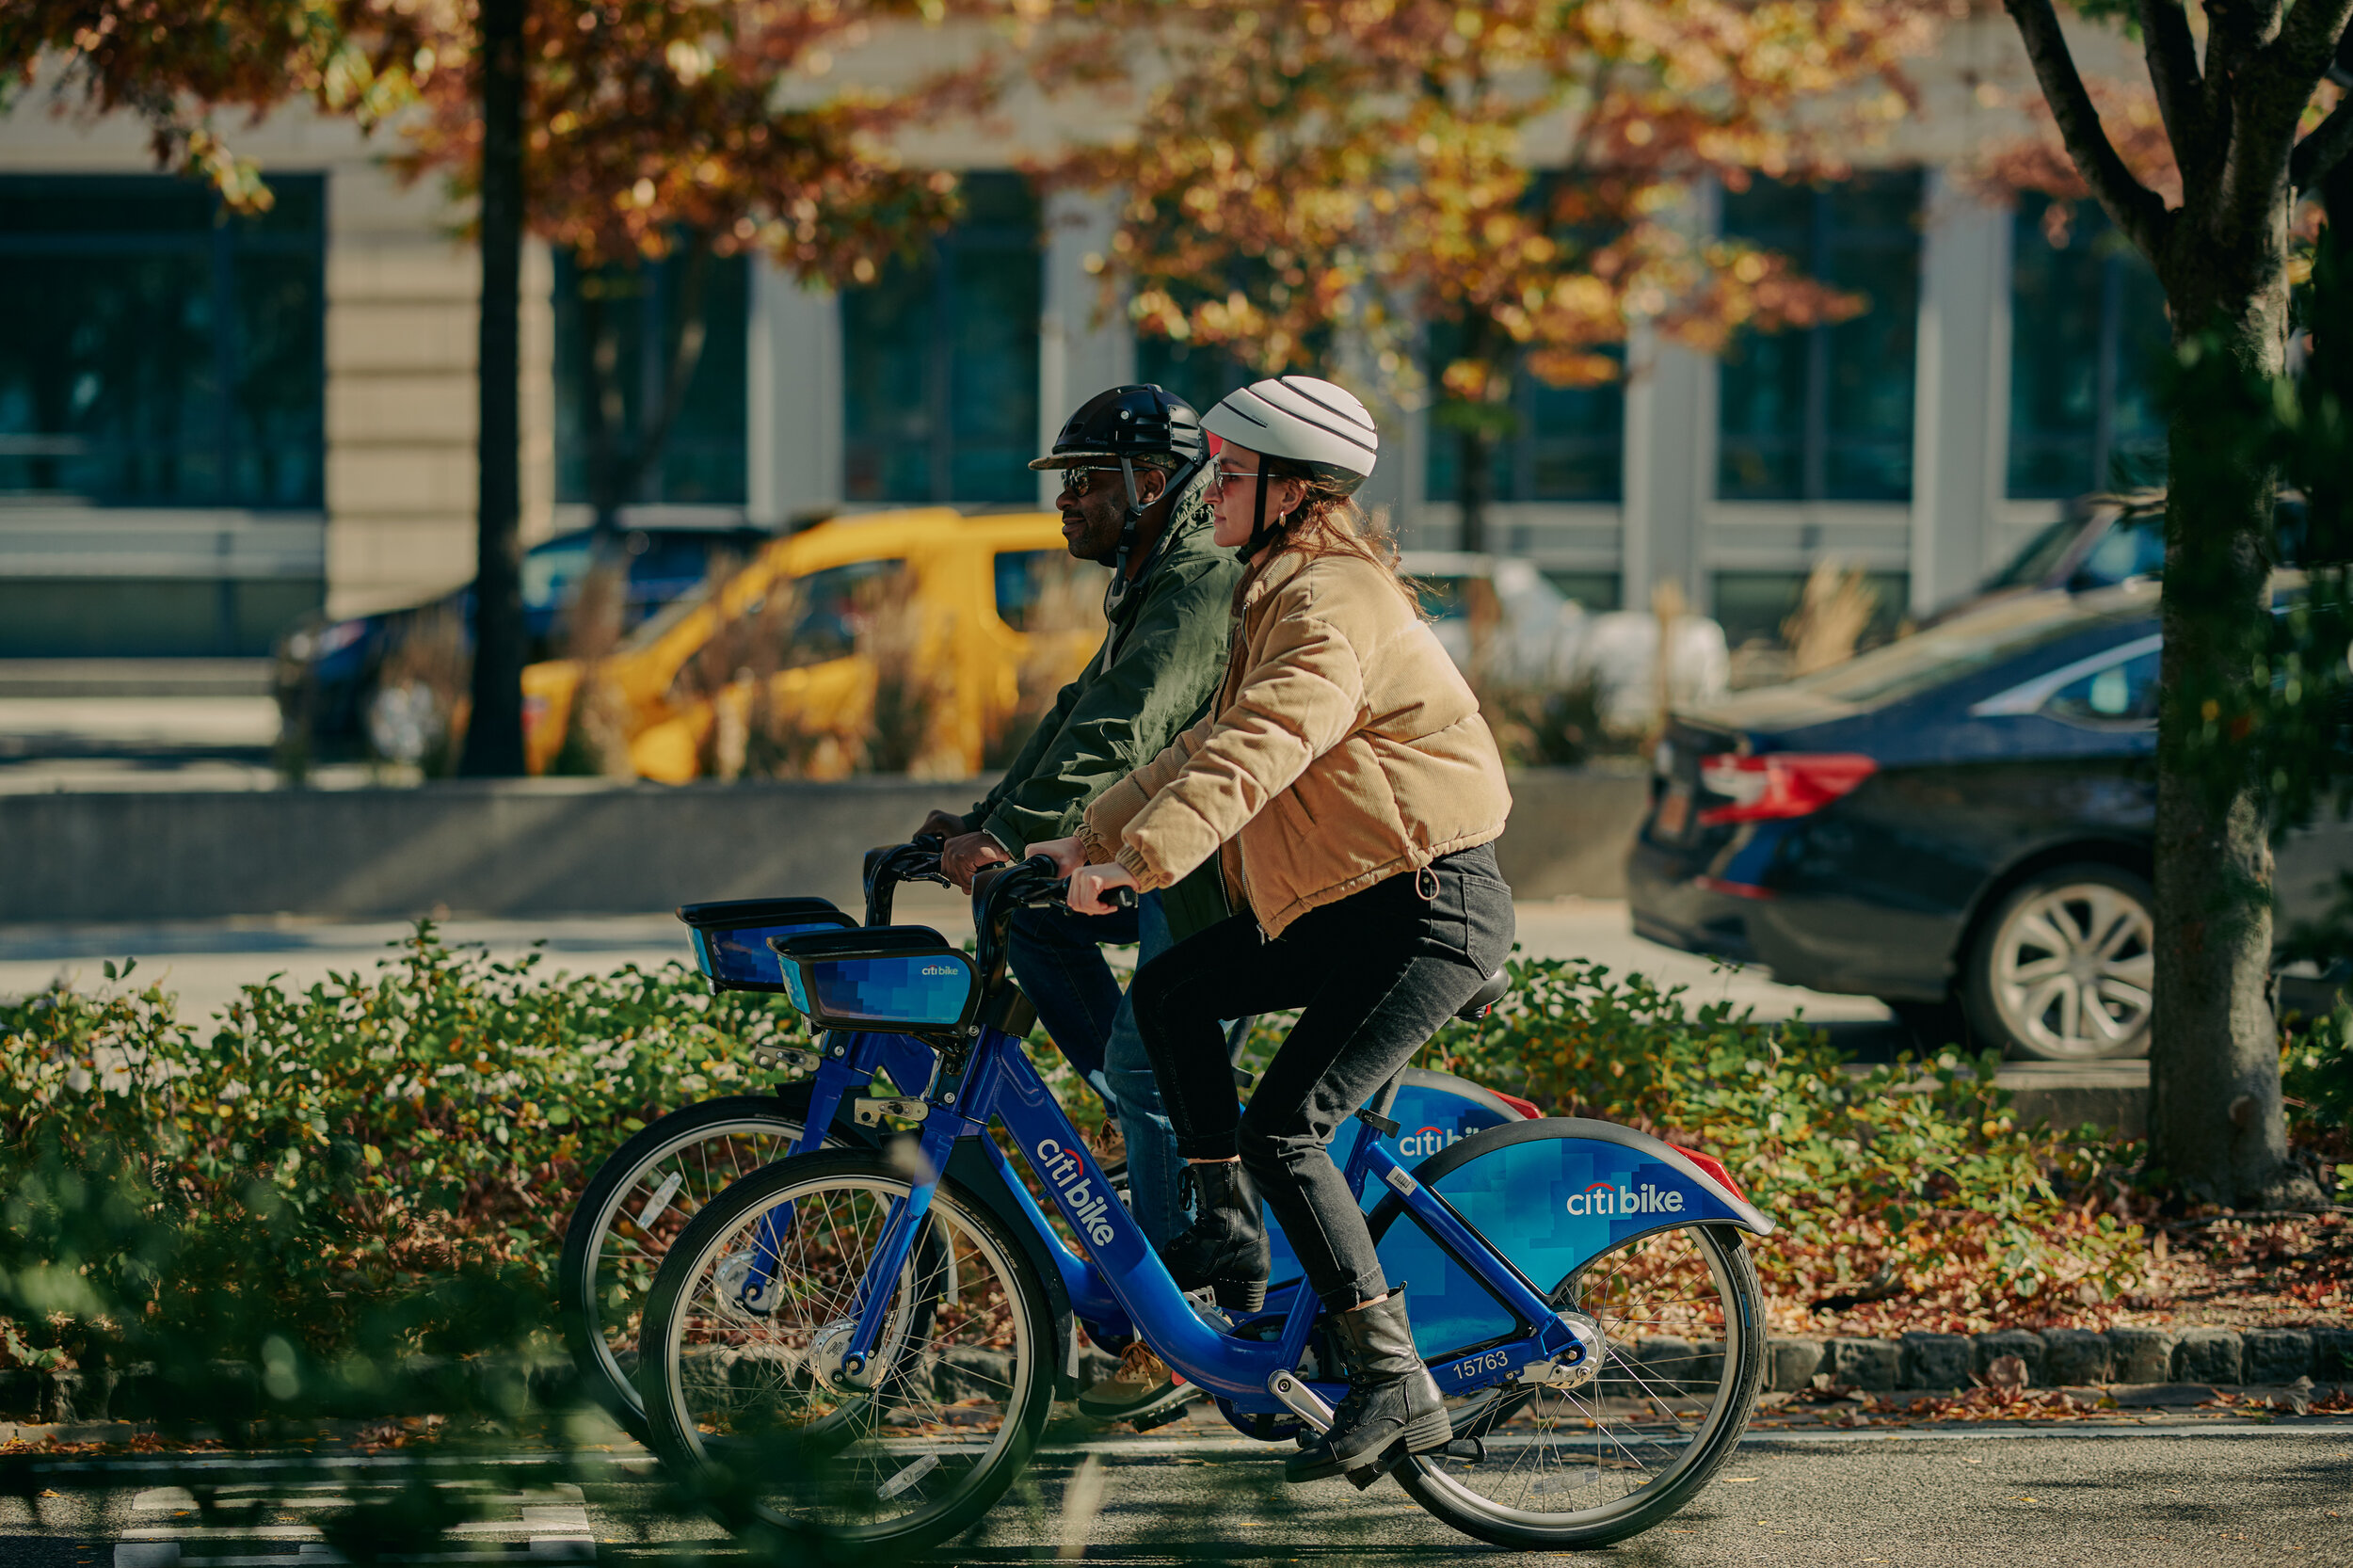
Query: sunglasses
(1222, 475)
(1076, 481)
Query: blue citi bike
(647, 1190)
(862, 1345)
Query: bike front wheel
(739, 1370)
(634, 1208)
(1565, 1467)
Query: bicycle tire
(1428, 1478)
(691, 1447)
(583, 1273)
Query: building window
(1825, 414)
(635, 316)
(939, 361)
(2088, 339)
(1566, 443)
(159, 350)
(1201, 374)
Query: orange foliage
(1367, 164)
(647, 118)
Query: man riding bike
(1134, 497)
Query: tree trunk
(2216, 1128)
(1474, 444)
(494, 732)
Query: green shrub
(357, 1141)
(366, 1163)
(2316, 1076)
(1914, 1179)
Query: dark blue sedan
(1962, 816)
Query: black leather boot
(1224, 1250)
(1392, 1408)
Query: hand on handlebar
(1068, 855)
(966, 852)
(940, 824)
(1089, 884)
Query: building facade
(211, 425)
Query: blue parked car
(1963, 816)
(330, 674)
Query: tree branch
(2321, 151)
(2268, 96)
(2173, 56)
(2137, 211)
(2307, 39)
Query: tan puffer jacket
(1345, 748)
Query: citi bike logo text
(1425, 1141)
(1089, 1210)
(939, 968)
(1606, 1198)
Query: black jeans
(1375, 975)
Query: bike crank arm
(1300, 1399)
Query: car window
(552, 570)
(1047, 591)
(2123, 692)
(1020, 578)
(833, 608)
(2039, 559)
(2134, 546)
(1945, 652)
(672, 557)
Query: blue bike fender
(1550, 1196)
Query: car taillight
(1779, 784)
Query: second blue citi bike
(862, 1345)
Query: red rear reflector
(1714, 1167)
(1731, 890)
(1525, 1108)
(1779, 784)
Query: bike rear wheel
(739, 1401)
(1683, 1320)
(632, 1211)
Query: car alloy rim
(2073, 968)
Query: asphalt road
(1974, 1500)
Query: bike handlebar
(917, 860)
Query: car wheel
(2064, 970)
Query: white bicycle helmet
(1312, 428)
(1301, 427)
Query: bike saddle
(1482, 1002)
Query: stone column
(1085, 346)
(1670, 469)
(1961, 426)
(794, 397)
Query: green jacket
(1154, 678)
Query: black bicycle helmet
(1128, 425)
(1140, 423)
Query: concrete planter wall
(534, 847)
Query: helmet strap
(1116, 594)
(1262, 532)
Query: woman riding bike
(1351, 790)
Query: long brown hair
(1329, 523)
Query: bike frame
(1122, 1286)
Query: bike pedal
(1469, 1451)
(1162, 1417)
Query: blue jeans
(1058, 957)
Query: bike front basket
(732, 938)
(903, 979)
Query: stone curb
(2140, 1356)
(2137, 1359)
